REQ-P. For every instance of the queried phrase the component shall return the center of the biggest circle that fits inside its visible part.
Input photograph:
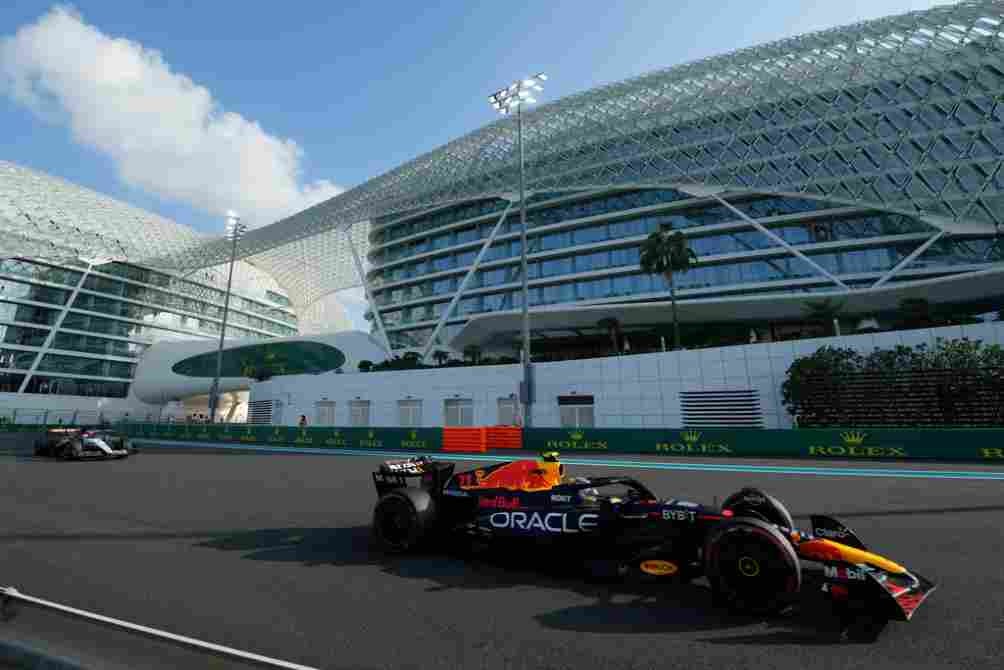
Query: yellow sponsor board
(853, 447)
(690, 443)
(335, 439)
(412, 441)
(576, 442)
(370, 441)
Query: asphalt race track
(270, 554)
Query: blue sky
(285, 103)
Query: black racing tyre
(39, 448)
(751, 566)
(751, 502)
(402, 519)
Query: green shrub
(957, 382)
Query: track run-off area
(269, 553)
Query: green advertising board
(976, 444)
(417, 439)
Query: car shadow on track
(619, 606)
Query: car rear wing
(431, 475)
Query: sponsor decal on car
(833, 533)
(678, 515)
(561, 523)
(500, 502)
(407, 467)
(456, 493)
(561, 498)
(840, 572)
(659, 568)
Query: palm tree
(666, 252)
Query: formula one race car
(748, 548)
(82, 444)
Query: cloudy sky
(189, 109)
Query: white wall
(31, 407)
(630, 391)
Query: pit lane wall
(958, 445)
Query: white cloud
(165, 133)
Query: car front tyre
(752, 567)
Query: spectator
(303, 421)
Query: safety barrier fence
(905, 444)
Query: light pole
(235, 230)
(505, 101)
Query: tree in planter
(613, 328)
(811, 391)
(823, 312)
(840, 387)
(665, 253)
(365, 366)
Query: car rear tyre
(752, 567)
(402, 519)
(751, 502)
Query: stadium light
(234, 232)
(514, 97)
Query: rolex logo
(370, 435)
(690, 436)
(412, 435)
(576, 435)
(853, 437)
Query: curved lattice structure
(901, 114)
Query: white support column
(369, 294)
(777, 238)
(55, 327)
(909, 259)
(463, 283)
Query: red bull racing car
(748, 548)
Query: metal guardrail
(12, 598)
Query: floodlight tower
(235, 231)
(514, 97)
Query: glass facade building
(584, 249)
(78, 330)
(864, 156)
